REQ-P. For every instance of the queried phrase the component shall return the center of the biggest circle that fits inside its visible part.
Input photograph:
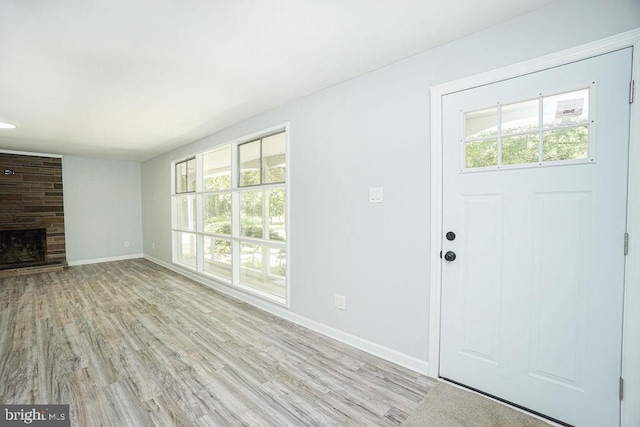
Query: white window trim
(630, 409)
(234, 283)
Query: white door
(535, 190)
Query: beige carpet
(449, 406)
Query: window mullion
(199, 174)
(265, 215)
(266, 262)
(235, 216)
(540, 126)
(499, 135)
(261, 164)
(235, 167)
(199, 208)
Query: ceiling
(128, 80)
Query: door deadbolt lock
(450, 236)
(450, 256)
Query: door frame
(630, 413)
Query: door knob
(450, 235)
(450, 256)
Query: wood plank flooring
(130, 343)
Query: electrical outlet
(126, 243)
(340, 302)
(153, 245)
(375, 195)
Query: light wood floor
(132, 344)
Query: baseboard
(99, 260)
(367, 346)
(378, 350)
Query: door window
(534, 132)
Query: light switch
(375, 195)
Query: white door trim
(631, 348)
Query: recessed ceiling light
(5, 125)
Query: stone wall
(31, 198)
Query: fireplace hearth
(23, 248)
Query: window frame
(260, 140)
(590, 125)
(234, 237)
(175, 175)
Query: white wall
(102, 209)
(374, 131)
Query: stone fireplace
(31, 215)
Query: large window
(229, 213)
